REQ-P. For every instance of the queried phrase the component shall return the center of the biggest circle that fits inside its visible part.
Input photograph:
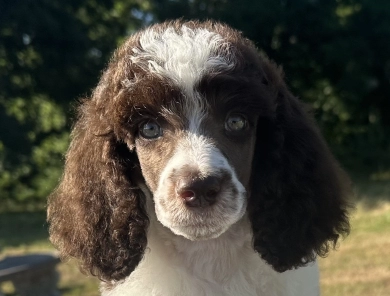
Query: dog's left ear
(298, 206)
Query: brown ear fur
(97, 214)
(298, 206)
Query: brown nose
(199, 192)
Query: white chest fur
(227, 265)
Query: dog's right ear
(97, 214)
(299, 204)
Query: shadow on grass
(371, 193)
(22, 228)
(10, 294)
(73, 290)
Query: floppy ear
(298, 204)
(97, 213)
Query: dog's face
(198, 176)
(198, 173)
(195, 150)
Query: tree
(51, 53)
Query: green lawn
(360, 266)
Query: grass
(22, 233)
(360, 266)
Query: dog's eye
(236, 123)
(150, 130)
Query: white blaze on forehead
(184, 57)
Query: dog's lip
(209, 224)
(187, 223)
(212, 232)
(191, 225)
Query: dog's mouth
(201, 223)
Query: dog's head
(192, 111)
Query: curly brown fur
(97, 213)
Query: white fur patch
(184, 57)
(197, 152)
(225, 266)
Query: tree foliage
(335, 55)
(51, 53)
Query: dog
(193, 170)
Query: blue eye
(150, 130)
(236, 123)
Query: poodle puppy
(194, 171)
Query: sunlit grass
(360, 266)
(74, 283)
